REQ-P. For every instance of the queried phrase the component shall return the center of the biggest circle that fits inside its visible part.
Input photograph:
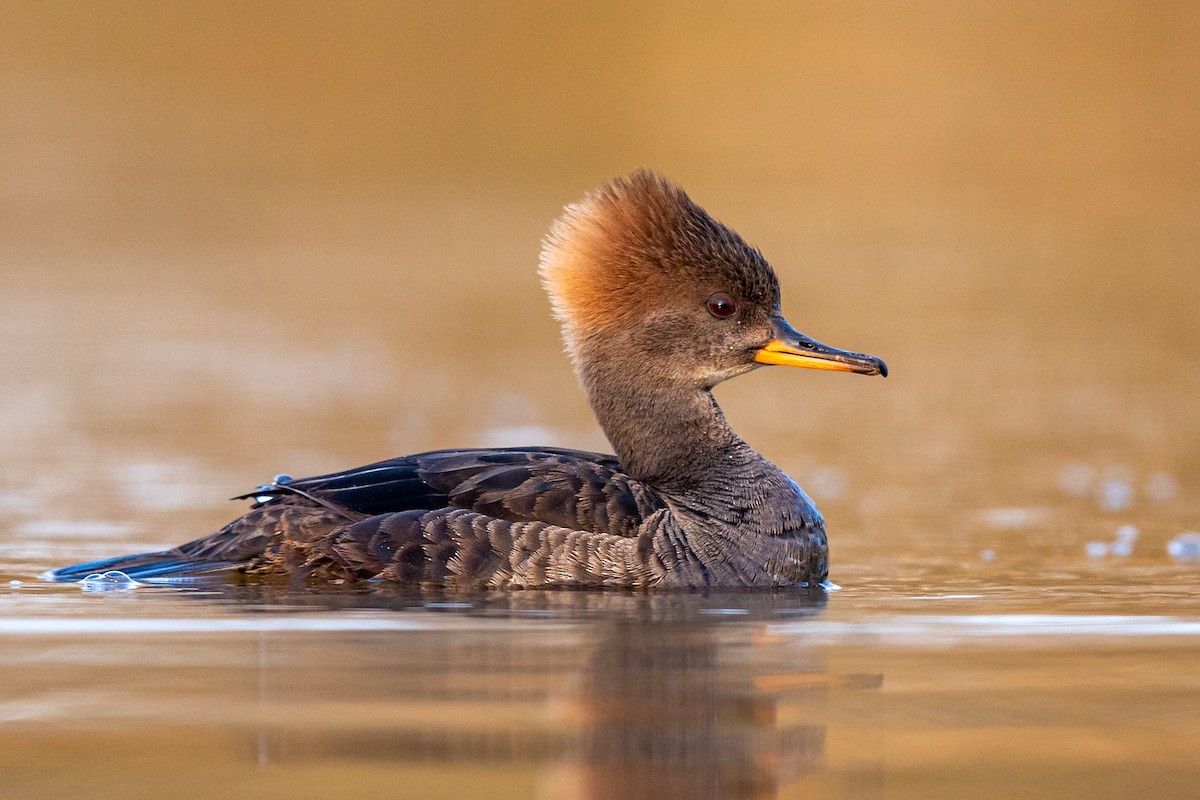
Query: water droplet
(1127, 533)
(1096, 549)
(988, 555)
(1121, 548)
(282, 480)
(1185, 547)
(1114, 495)
(830, 586)
(14, 584)
(102, 582)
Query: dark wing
(572, 489)
(529, 517)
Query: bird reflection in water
(665, 712)
(598, 695)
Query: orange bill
(790, 348)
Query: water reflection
(607, 696)
(664, 713)
(594, 695)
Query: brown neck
(666, 432)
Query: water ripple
(107, 626)
(940, 629)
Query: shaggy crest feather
(619, 251)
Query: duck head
(646, 283)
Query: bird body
(659, 303)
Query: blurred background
(293, 237)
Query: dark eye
(721, 306)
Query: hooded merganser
(659, 303)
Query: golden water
(238, 242)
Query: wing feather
(567, 488)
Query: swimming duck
(659, 302)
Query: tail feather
(246, 541)
(142, 567)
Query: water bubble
(1121, 546)
(107, 581)
(1114, 494)
(266, 492)
(1185, 547)
(1127, 533)
(1076, 479)
(988, 555)
(1161, 487)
